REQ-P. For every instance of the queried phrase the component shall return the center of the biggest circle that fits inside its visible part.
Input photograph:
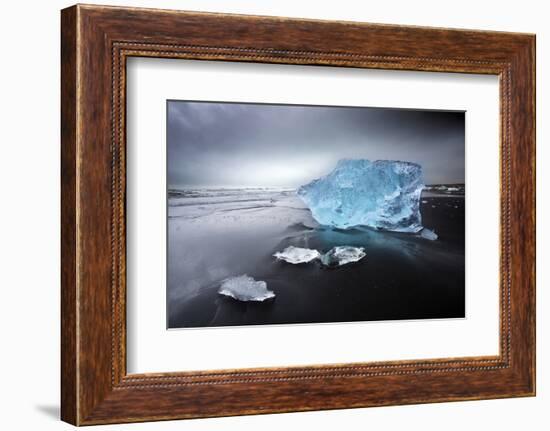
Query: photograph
(300, 214)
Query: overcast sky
(234, 145)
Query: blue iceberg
(383, 194)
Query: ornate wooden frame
(95, 43)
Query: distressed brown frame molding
(95, 43)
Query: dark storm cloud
(230, 144)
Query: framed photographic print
(304, 219)
(266, 215)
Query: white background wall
(29, 215)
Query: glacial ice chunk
(428, 234)
(297, 255)
(383, 194)
(342, 255)
(245, 288)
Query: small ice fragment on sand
(433, 206)
(424, 202)
(341, 255)
(297, 255)
(428, 234)
(245, 288)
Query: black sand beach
(216, 234)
